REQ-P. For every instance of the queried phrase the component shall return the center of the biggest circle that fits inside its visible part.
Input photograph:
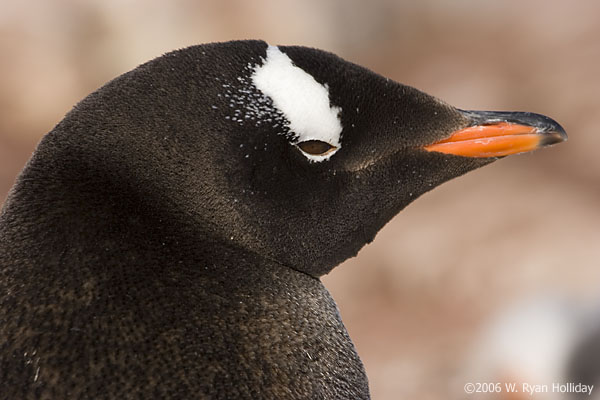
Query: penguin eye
(316, 147)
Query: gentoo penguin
(167, 237)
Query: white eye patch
(302, 100)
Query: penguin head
(288, 152)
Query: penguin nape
(167, 237)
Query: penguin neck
(95, 237)
(103, 212)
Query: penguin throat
(302, 100)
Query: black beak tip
(550, 131)
(554, 135)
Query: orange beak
(497, 134)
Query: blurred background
(432, 300)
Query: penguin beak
(497, 134)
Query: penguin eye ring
(316, 147)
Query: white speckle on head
(301, 99)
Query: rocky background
(416, 300)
